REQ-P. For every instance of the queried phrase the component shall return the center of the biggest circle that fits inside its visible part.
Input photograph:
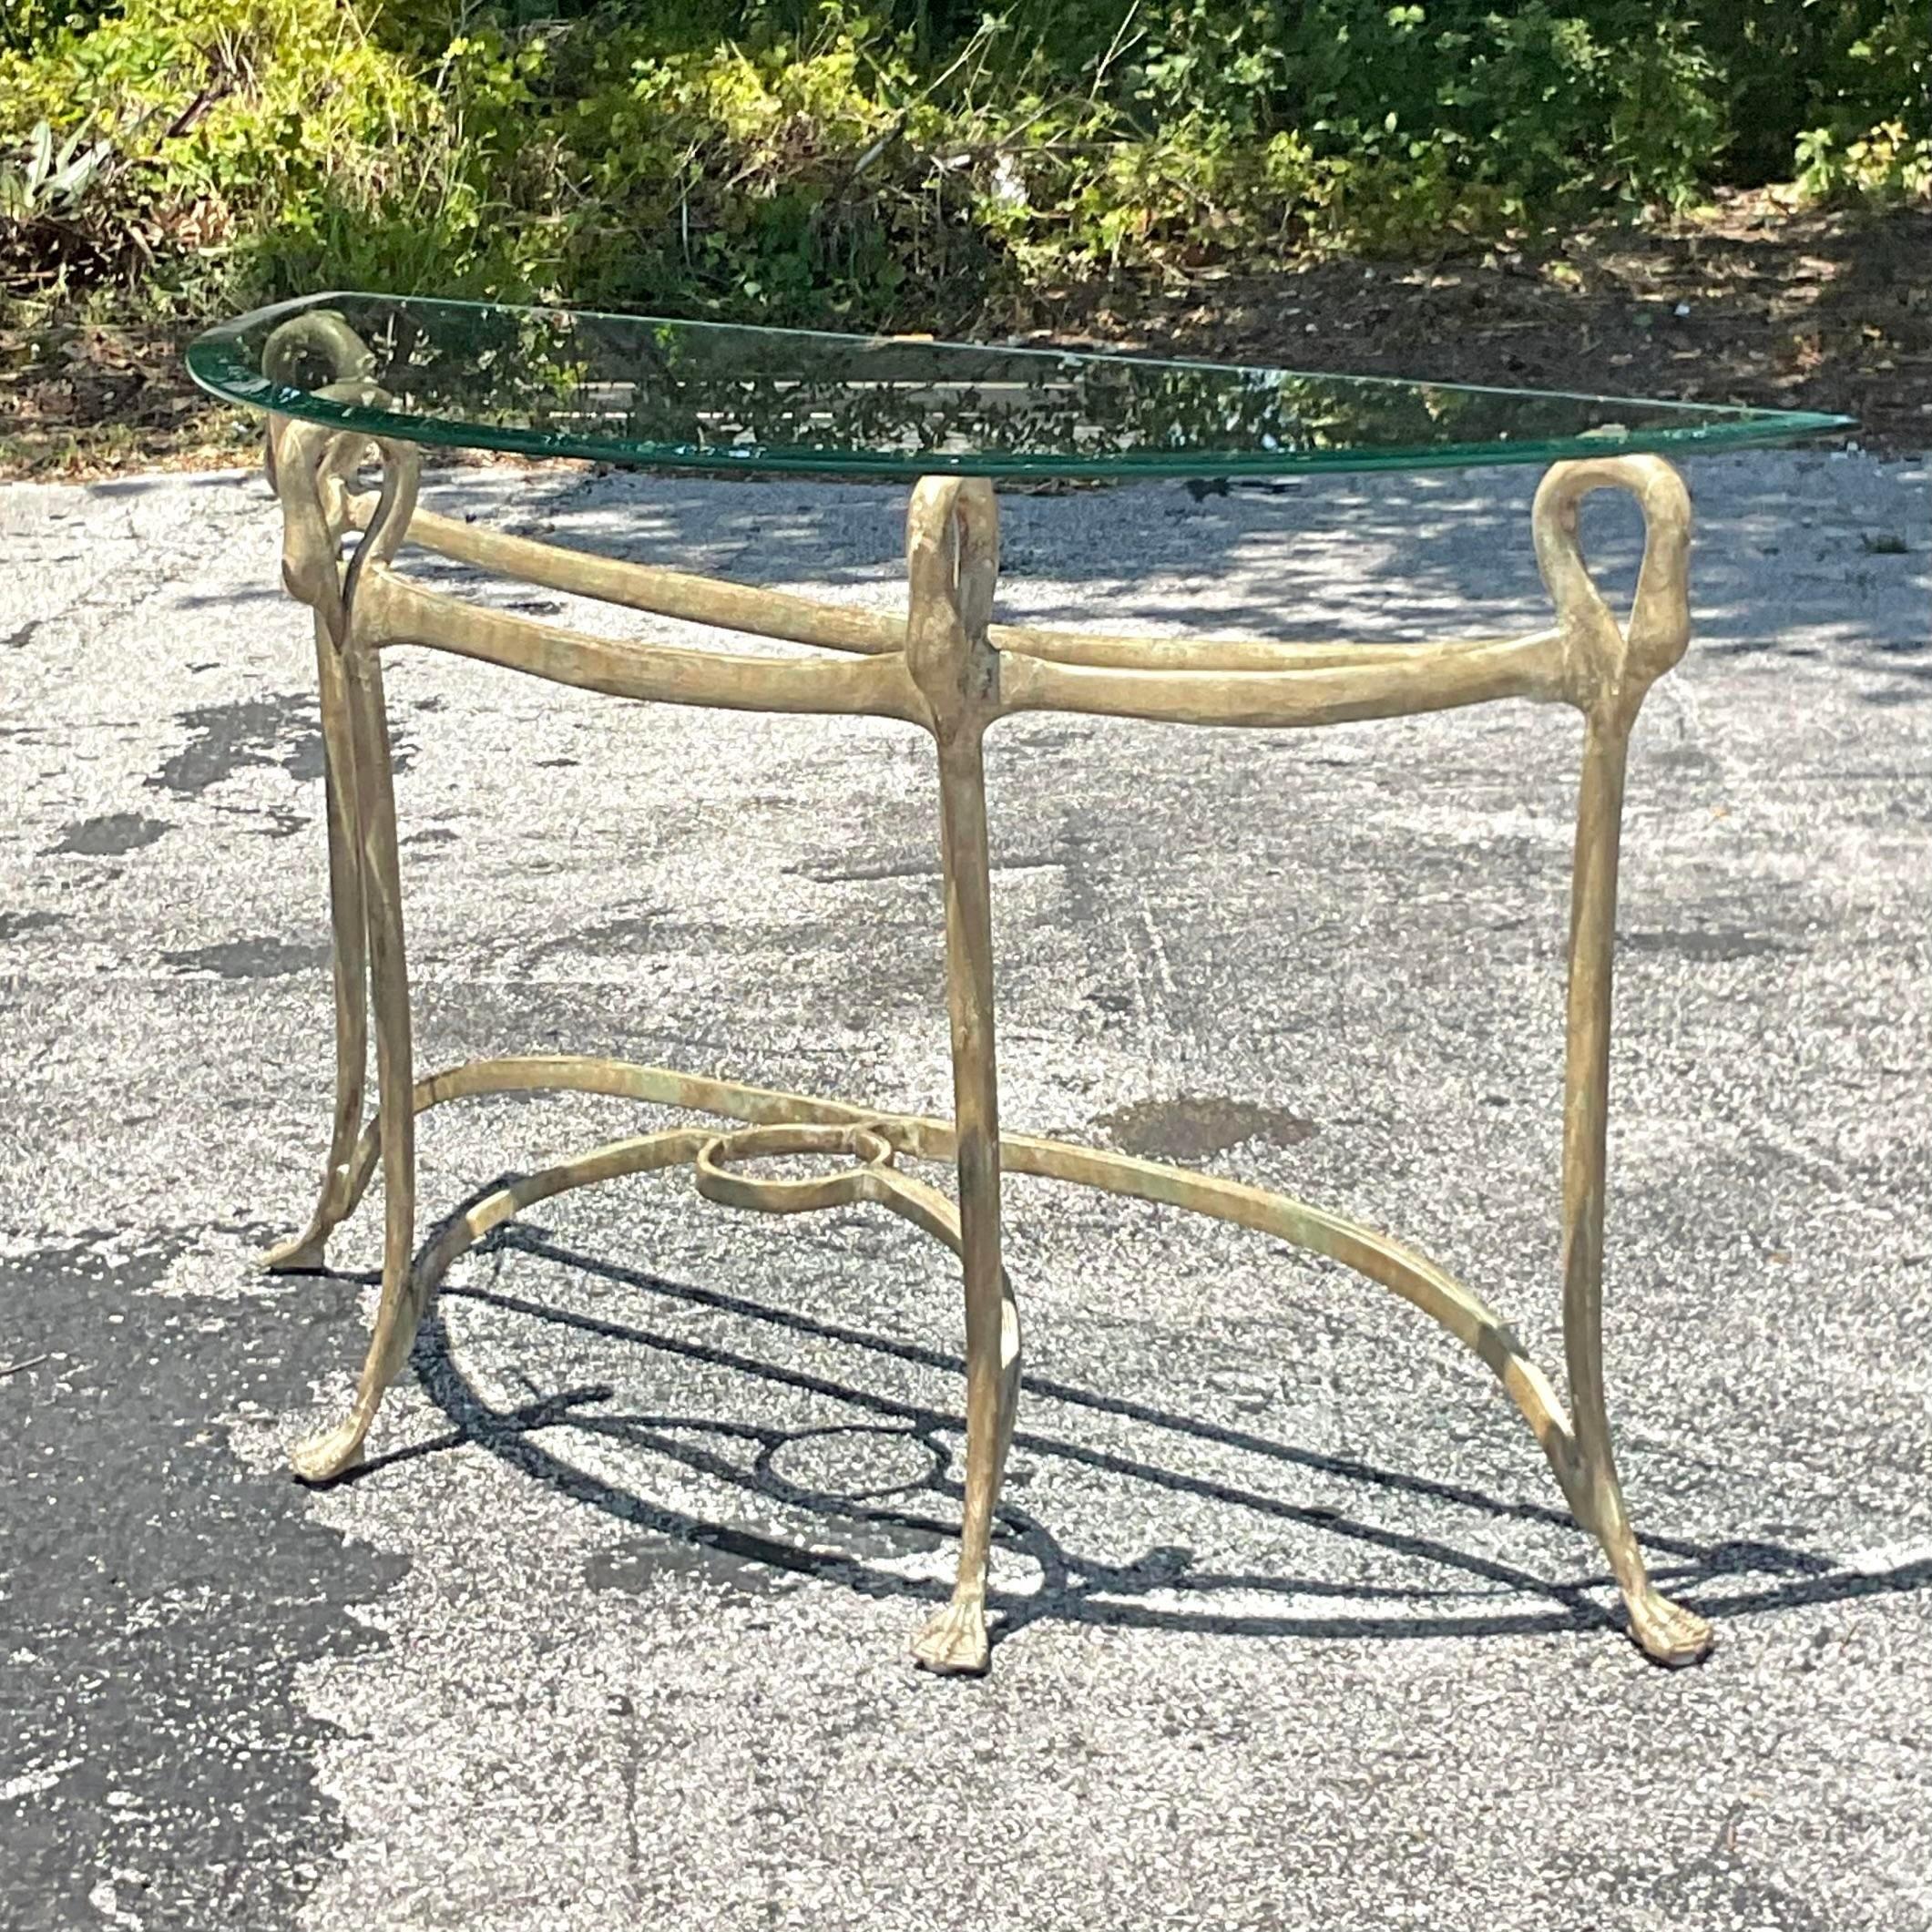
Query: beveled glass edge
(209, 360)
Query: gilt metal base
(947, 669)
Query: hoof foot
(1670, 1634)
(955, 1643)
(323, 1458)
(302, 1255)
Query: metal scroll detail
(950, 669)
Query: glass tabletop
(691, 395)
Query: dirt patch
(1198, 1126)
(112, 836)
(81, 400)
(261, 958)
(1753, 303)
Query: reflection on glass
(703, 395)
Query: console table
(339, 375)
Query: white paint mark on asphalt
(1889, 1559)
(31, 1783)
(1162, 968)
(106, 1900)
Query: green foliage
(1874, 138)
(46, 183)
(904, 160)
(59, 210)
(1884, 165)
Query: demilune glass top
(690, 395)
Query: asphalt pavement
(612, 1629)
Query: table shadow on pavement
(1721, 1580)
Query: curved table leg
(309, 469)
(404, 1288)
(305, 1253)
(952, 548)
(1611, 670)
(1667, 1632)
